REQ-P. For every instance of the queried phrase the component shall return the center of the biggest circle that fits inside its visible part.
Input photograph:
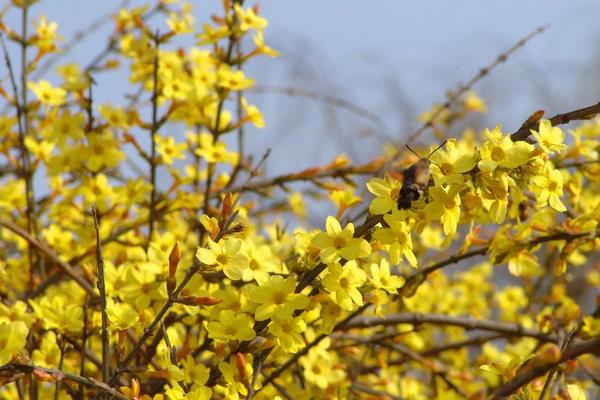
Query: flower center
(339, 243)
(497, 153)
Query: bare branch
(523, 378)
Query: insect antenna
(412, 151)
(437, 148)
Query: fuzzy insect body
(416, 180)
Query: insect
(416, 179)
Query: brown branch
(560, 119)
(325, 98)
(523, 378)
(102, 290)
(22, 124)
(49, 253)
(418, 277)
(153, 133)
(15, 368)
(366, 388)
(440, 319)
(311, 174)
(436, 367)
(501, 58)
(473, 341)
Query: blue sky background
(392, 57)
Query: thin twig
(59, 374)
(523, 378)
(441, 319)
(77, 38)
(436, 368)
(340, 325)
(84, 335)
(24, 152)
(153, 133)
(258, 364)
(561, 119)
(462, 89)
(420, 276)
(49, 253)
(102, 290)
(61, 360)
(325, 98)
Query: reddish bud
(174, 259)
(240, 362)
(199, 301)
(227, 203)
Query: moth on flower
(416, 179)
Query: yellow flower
(386, 192)
(336, 243)
(142, 287)
(57, 313)
(261, 262)
(48, 354)
(115, 116)
(13, 336)
(247, 19)
(211, 34)
(121, 315)
(449, 164)
(550, 188)
(381, 277)
(398, 237)
(73, 79)
(97, 191)
(344, 199)
(232, 80)
(276, 294)
(103, 151)
(445, 206)
(343, 284)
(168, 149)
(41, 150)
(231, 327)
(261, 48)
(60, 240)
(474, 103)
(183, 22)
(47, 94)
(46, 36)
(591, 326)
(494, 190)
(296, 202)
(550, 138)
(215, 152)
(225, 255)
(288, 330)
(501, 151)
(66, 126)
(237, 374)
(252, 114)
(320, 366)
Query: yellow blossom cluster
(135, 262)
